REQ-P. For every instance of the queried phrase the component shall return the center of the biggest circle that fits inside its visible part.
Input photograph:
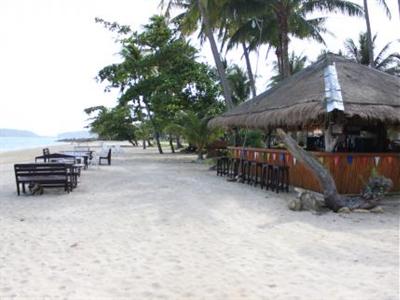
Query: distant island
(4, 132)
(76, 135)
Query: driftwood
(333, 199)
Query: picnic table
(87, 156)
(63, 157)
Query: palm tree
(278, 19)
(296, 63)
(239, 83)
(369, 32)
(291, 14)
(384, 61)
(231, 21)
(195, 130)
(203, 12)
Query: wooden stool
(266, 172)
(253, 174)
(243, 170)
(283, 178)
(222, 166)
(233, 168)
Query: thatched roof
(299, 101)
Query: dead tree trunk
(332, 198)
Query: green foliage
(112, 124)
(377, 187)
(160, 77)
(253, 138)
(195, 130)
(384, 61)
(144, 131)
(273, 21)
(296, 64)
(240, 84)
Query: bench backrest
(32, 170)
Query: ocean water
(19, 143)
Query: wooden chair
(46, 153)
(108, 157)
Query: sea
(20, 143)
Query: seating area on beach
(61, 169)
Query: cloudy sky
(51, 51)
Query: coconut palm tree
(369, 31)
(195, 130)
(231, 21)
(239, 83)
(296, 62)
(384, 61)
(292, 14)
(203, 13)
(277, 20)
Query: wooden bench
(47, 175)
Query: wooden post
(330, 141)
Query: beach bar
(346, 114)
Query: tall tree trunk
(399, 7)
(285, 50)
(200, 155)
(278, 53)
(217, 58)
(144, 144)
(369, 36)
(134, 143)
(157, 137)
(178, 142)
(149, 143)
(171, 144)
(156, 131)
(282, 13)
(249, 70)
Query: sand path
(160, 227)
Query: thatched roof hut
(301, 100)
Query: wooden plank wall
(349, 170)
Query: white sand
(158, 227)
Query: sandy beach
(161, 227)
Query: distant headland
(4, 132)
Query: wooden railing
(349, 170)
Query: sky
(52, 50)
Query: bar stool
(283, 178)
(280, 178)
(254, 172)
(244, 170)
(233, 167)
(222, 166)
(266, 172)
